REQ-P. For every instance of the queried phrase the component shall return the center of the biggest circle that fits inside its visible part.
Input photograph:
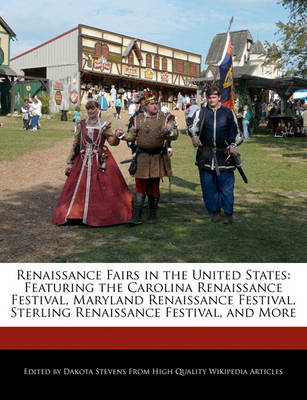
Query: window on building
(193, 69)
(148, 61)
(130, 58)
(102, 50)
(164, 64)
(105, 51)
(157, 62)
(180, 66)
(98, 50)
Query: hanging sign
(148, 73)
(164, 77)
(58, 97)
(131, 71)
(74, 97)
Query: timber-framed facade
(88, 56)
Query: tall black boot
(153, 201)
(138, 208)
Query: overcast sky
(184, 24)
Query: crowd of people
(108, 99)
(281, 127)
(288, 125)
(121, 99)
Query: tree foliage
(290, 52)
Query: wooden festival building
(87, 57)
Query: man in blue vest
(214, 133)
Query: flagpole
(230, 23)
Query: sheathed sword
(238, 164)
(241, 172)
(126, 161)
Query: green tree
(290, 51)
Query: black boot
(138, 208)
(227, 218)
(216, 216)
(153, 201)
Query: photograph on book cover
(153, 185)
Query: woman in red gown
(95, 191)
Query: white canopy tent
(300, 94)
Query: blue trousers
(34, 121)
(218, 190)
(245, 124)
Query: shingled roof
(237, 71)
(7, 28)
(238, 42)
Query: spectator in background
(96, 94)
(113, 93)
(263, 112)
(39, 109)
(274, 109)
(134, 95)
(131, 109)
(245, 122)
(298, 108)
(25, 109)
(118, 106)
(184, 102)
(190, 114)
(125, 98)
(36, 111)
(179, 101)
(76, 118)
(90, 93)
(129, 97)
(302, 108)
(103, 100)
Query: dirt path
(28, 195)
(29, 190)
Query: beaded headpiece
(149, 98)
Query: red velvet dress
(95, 196)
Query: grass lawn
(270, 211)
(17, 142)
(270, 214)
